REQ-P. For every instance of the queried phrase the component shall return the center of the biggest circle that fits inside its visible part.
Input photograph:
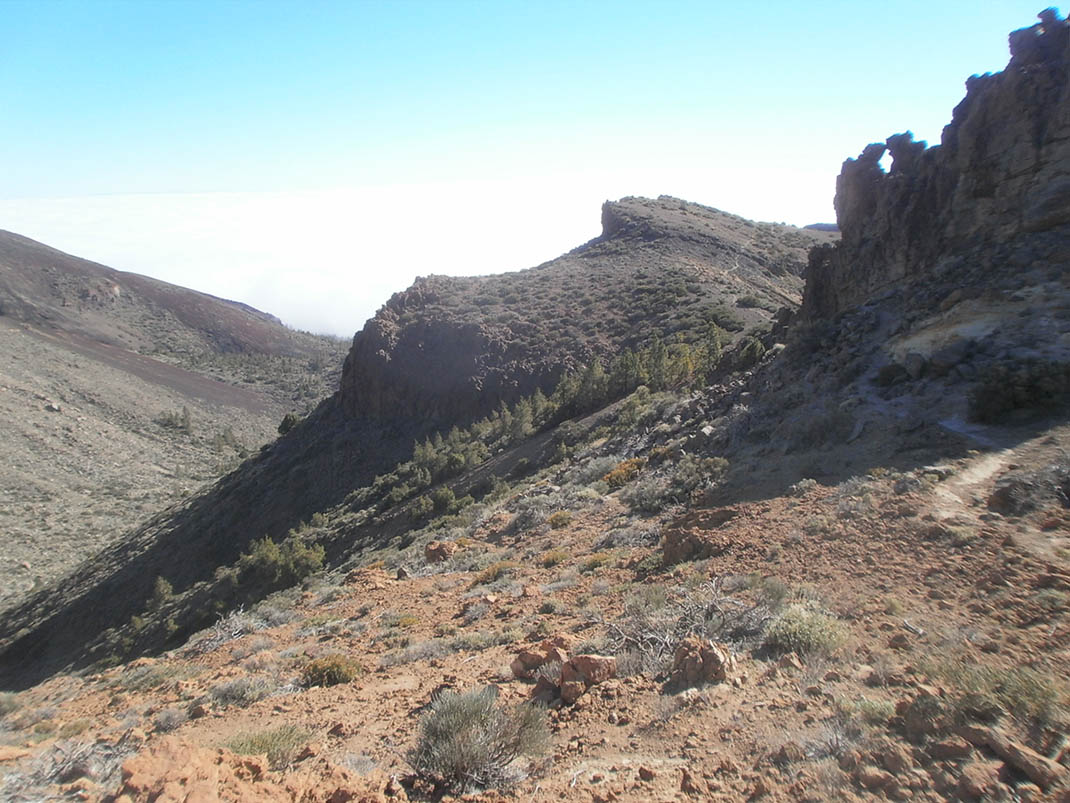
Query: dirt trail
(954, 497)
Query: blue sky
(310, 158)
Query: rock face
(450, 349)
(994, 194)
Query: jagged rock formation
(994, 195)
(448, 349)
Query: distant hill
(122, 394)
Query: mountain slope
(661, 266)
(840, 574)
(448, 348)
(121, 395)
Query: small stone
(646, 774)
(873, 779)
(690, 786)
(790, 661)
(950, 749)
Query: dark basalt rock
(996, 190)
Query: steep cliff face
(993, 196)
(449, 349)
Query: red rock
(595, 668)
(689, 785)
(646, 774)
(895, 758)
(701, 661)
(873, 779)
(439, 551)
(950, 749)
(977, 781)
(572, 690)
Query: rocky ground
(942, 590)
(97, 438)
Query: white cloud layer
(325, 260)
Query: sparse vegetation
(331, 670)
(269, 565)
(1005, 387)
(559, 520)
(496, 571)
(281, 745)
(984, 690)
(470, 741)
(804, 629)
(241, 691)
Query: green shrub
(421, 507)
(289, 421)
(442, 498)
(1019, 385)
(330, 670)
(803, 629)
(470, 741)
(270, 565)
(280, 745)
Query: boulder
(698, 661)
(439, 551)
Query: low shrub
(241, 691)
(559, 519)
(1019, 385)
(1031, 695)
(330, 670)
(496, 571)
(597, 561)
(270, 565)
(170, 718)
(470, 741)
(623, 473)
(9, 703)
(803, 629)
(553, 557)
(281, 745)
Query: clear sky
(310, 158)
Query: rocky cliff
(448, 349)
(994, 196)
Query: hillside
(121, 396)
(449, 348)
(823, 558)
(651, 257)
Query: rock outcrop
(451, 349)
(993, 196)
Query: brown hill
(59, 292)
(121, 395)
(450, 348)
(661, 266)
